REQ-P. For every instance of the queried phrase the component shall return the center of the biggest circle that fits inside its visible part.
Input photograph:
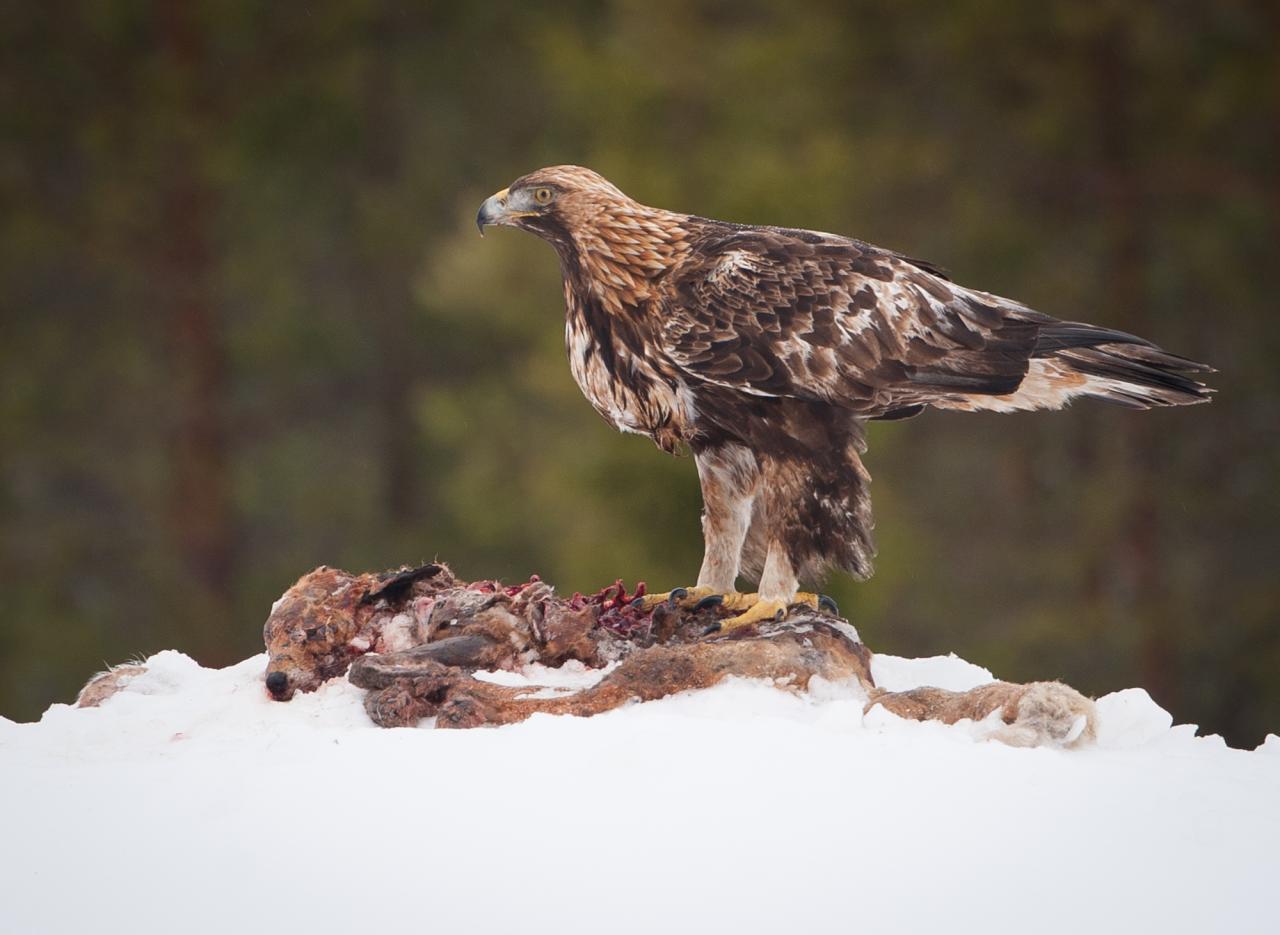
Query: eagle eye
(542, 196)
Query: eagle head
(550, 201)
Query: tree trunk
(1136, 552)
(200, 506)
(387, 270)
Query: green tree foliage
(248, 328)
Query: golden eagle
(766, 350)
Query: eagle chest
(622, 385)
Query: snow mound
(190, 802)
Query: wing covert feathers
(782, 313)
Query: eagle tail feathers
(1071, 360)
(1122, 368)
(1135, 380)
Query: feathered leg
(778, 514)
(729, 477)
(732, 483)
(777, 591)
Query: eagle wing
(813, 316)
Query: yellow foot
(684, 597)
(729, 600)
(817, 602)
(758, 611)
(696, 598)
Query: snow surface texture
(191, 803)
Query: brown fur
(329, 616)
(1033, 714)
(406, 688)
(105, 684)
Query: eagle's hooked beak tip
(491, 211)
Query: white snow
(895, 674)
(190, 803)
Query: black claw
(714, 628)
(677, 594)
(827, 604)
(637, 601)
(711, 600)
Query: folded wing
(814, 316)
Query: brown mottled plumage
(766, 350)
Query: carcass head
(309, 631)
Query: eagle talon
(676, 597)
(817, 602)
(761, 611)
(699, 598)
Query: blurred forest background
(248, 326)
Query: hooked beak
(493, 211)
